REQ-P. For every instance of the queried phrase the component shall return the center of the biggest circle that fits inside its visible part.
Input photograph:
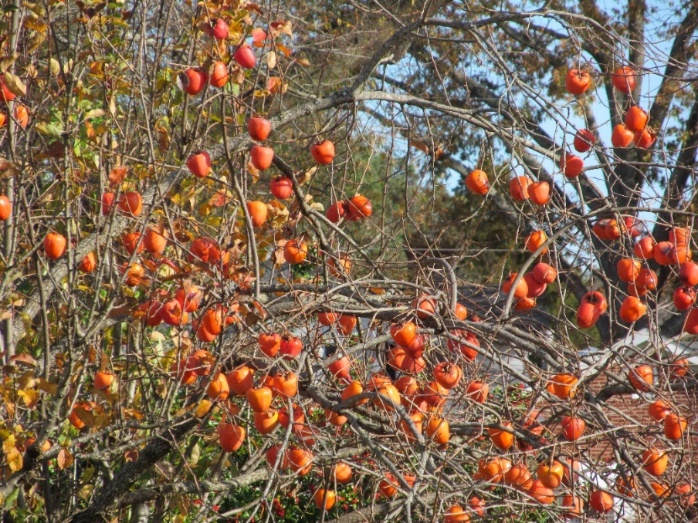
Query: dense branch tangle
(109, 412)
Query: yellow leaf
(194, 455)
(29, 396)
(14, 84)
(204, 209)
(35, 23)
(26, 380)
(14, 459)
(27, 321)
(234, 28)
(31, 71)
(278, 213)
(305, 177)
(163, 140)
(261, 93)
(271, 59)
(34, 41)
(94, 113)
(35, 7)
(86, 491)
(254, 172)
(8, 443)
(202, 408)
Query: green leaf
(52, 129)
(10, 500)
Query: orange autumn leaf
(276, 85)
(64, 459)
(221, 198)
(131, 455)
(118, 174)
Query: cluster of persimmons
(270, 387)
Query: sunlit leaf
(194, 454)
(118, 174)
(8, 443)
(280, 27)
(202, 408)
(221, 198)
(52, 129)
(14, 459)
(14, 84)
(94, 113)
(133, 414)
(64, 459)
(276, 85)
(284, 50)
(86, 491)
(30, 397)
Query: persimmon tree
(240, 284)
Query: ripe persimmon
(259, 398)
(258, 128)
(624, 79)
(636, 119)
(577, 81)
(54, 245)
(359, 207)
(478, 182)
(261, 157)
(231, 437)
(131, 203)
(323, 152)
(240, 380)
(258, 212)
(295, 251)
(103, 380)
(518, 188)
